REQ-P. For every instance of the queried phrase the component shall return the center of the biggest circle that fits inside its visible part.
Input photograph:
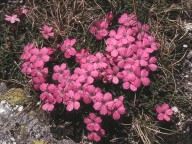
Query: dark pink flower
(67, 48)
(109, 16)
(47, 93)
(99, 29)
(164, 112)
(82, 56)
(141, 57)
(124, 57)
(89, 93)
(39, 56)
(47, 31)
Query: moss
(15, 96)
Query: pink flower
(47, 92)
(109, 16)
(93, 122)
(86, 74)
(113, 75)
(39, 72)
(130, 71)
(71, 100)
(99, 29)
(116, 108)
(27, 68)
(128, 20)
(124, 57)
(48, 107)
(113, 46)
(37, 81)
(67, 48)
(12, 19)
(101, 102)
(47, 31)
(27, 51)
(144, 77)
(125, 35)
(24, 11)
(61, 72)
(82, 56)
(164, 112)
(96, 136)
(89, 93)
(152, 64)
(141, 57)
(101, 61)
(93, 125)
(39, 57)
(47, 96)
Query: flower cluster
(127, 62)
(99, 28)
(34, 64)
(129, 51)
(94, 126)
(164, 112)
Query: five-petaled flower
(94, 126)
(164, 112)
(67, 48)
(12, 19)
(47, 31)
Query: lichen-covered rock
(19, 126)
(15, 96)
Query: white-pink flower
(12, 19)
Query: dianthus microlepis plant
(127, 61)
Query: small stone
(185, 46)
(175, 109)
(20, 108)
(2, 110)
(189, 56)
